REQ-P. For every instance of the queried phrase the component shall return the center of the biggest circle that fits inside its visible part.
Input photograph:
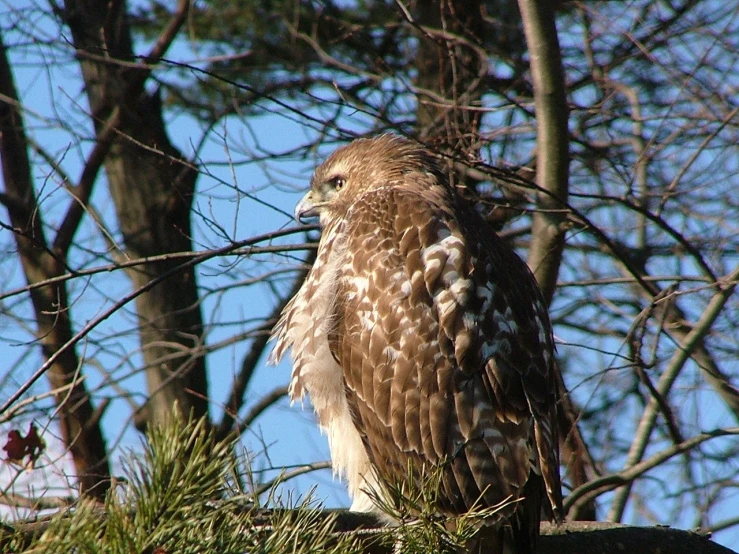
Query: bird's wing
(434, 343)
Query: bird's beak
(305, 209)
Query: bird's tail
(518, 534)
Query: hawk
(423, 341)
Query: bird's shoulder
(402, 217)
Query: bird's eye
(338, 183)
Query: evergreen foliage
(182, 496)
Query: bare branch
(682, 354)
(589, 491)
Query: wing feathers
(427, 344)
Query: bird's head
(364, 165)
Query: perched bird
(423, 342)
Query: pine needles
(181, 497)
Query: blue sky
(233, 196)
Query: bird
(423, 342)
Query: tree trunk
(152, 186)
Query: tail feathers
(499, 539)
(526, 521)
(520, 533)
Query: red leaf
(18, 446)
(15, 447)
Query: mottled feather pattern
(423, 340)
(303, 327)
(297, 326)
(409, 322)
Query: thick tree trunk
(552, 143)
(152, 186)
(550, 218)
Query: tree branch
(682, 354)
(50, 304)
(109, 130)
(248, 365)
(592, 489)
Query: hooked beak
(305, 209)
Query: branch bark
(569, 538)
